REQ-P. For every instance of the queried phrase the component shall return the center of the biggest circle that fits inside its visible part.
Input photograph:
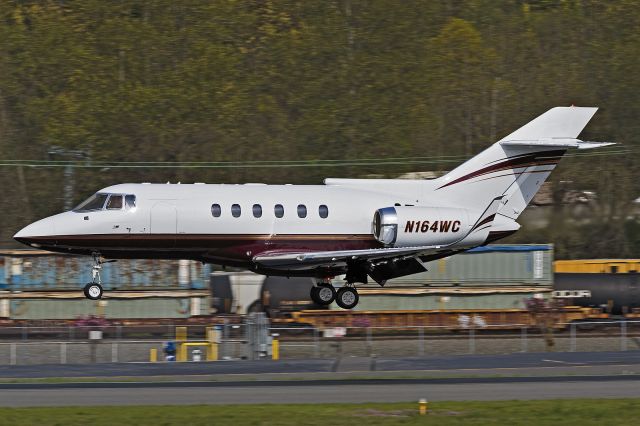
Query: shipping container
(69, 305)
(597, 266)
(466, 298)
(33, 270)
(492, 265)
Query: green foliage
(583, 412)
(197, 80)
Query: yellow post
(153, 355)
(212, 352)
(181, 334)
(182, 353)
(423, 406)
(275, 349)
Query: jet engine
(407, 226)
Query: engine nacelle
(407, 226)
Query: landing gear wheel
(93, 291)
(323, 294)
(347, 298)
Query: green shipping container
(443, 300)
(493, 265)
(138, 308)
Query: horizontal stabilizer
(556, 143)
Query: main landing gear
(93, 290)
(324, 294)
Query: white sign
(538, 265)
(335, 332)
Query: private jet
(360, 228)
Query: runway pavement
(482, 377)
(314, 392)
(518, 361)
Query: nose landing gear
(93, 290)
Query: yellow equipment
(210, 345)
(597, 266)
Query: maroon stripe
(515, 174)
(522, 161)
(218, 246)
(508, 165)
(487, 219)
(542, 154)
(203, 237)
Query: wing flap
(309, 260)
(306, 260)
(394, 268)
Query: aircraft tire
(323, 294)
(93, 291)
(347, 298)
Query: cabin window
(302, 211)
(235, 210)
(323, 211)
(216, 211)
(95, 202)
(278, 210)
(115, 202)
(130, 201)
(257, 210)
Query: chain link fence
(251, 340)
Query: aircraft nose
(30, 234)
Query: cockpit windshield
(99, 201)
(95, 202)
(130, 201)
(115, 202)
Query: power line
(362, 162)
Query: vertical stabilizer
(557, 123)
(516, 166)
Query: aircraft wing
(309, 260)
(382, 264)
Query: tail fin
(516, 166)
(557, 123)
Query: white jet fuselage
(181, 221)
(379, 228)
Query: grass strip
(583, 412)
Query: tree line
(162, 81)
